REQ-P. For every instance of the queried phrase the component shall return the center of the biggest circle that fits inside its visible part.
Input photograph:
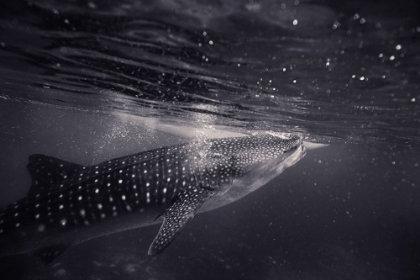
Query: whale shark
(68, 203)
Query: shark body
(68, 203)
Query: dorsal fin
(48, 173)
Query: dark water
(87, 81)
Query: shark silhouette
(68, 203)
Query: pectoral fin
(178, 215)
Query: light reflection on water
(323, 70)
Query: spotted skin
(69, 203)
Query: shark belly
(36, 236)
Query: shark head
(256, 161)
(253, 152)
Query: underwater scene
(193, 139)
